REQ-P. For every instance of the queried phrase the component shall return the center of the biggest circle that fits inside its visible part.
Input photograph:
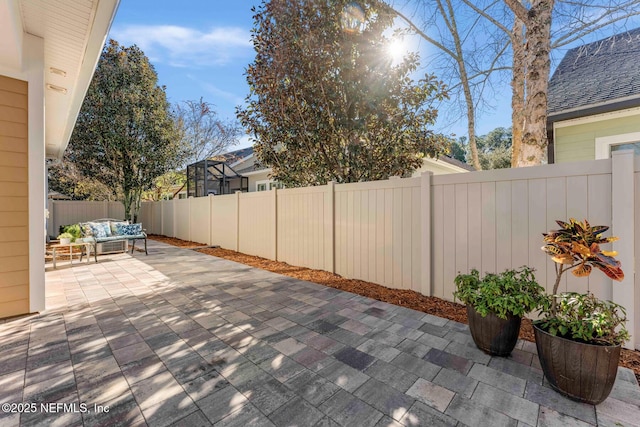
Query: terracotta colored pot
(492, 334)
(582, 372)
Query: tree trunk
(537, 22)
(464, 79)
(517, 90)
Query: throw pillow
(85, 227)
(129, 229)
(114, 226)
(100, 229)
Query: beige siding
(14, 206)
(254, 178)
(577, 142)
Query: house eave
(593, 109)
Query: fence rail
(416, 233)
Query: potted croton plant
(579, 336)
(496, 304)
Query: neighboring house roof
(245, 154)
(597, 77)
(234, 156)
(456, 162)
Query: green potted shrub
(495, 306)
(579, 336)
(66, 238)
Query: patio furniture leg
(145, 246)
(133, 245)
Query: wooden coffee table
(84, 247)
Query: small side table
(85, 247)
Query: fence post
(238, 221)
(274, 237)
(425, 238)
(330, 227)
(622, 202)
(189, 218)
(174, 206)
(50, 218)
(162, 217)
(210, 241)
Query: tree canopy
(204, 134)
(125, 135)
(327, 102)
(494, 149)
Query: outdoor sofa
(105, 233)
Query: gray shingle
(598, 72)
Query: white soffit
(74, 32)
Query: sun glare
(396, 49)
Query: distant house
(244, 162)
(594, 100)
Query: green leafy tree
(327, 102)
(125, 136)
(65, 178)
(494, 149)
(459, 149)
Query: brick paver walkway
(182, 338)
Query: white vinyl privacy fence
(419, 233)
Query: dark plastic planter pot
(582, 372)
(492, 334)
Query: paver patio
(182, 338)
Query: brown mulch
(405, 298)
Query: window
(275, 184)
(607, 144)
(268, 185)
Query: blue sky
(201, 48)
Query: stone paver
(184, 339)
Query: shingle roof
(597, 73)
(234, 156)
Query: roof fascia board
(595, 109)
(560, 123)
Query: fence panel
(199, 216)
(181, 221)
(224, 221)
(301, 231)
(115, 210)
(256, 231)
(379, 244)
(66, 212)
(146, 216)
(493, 220)
(167, 218)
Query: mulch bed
(405, 298)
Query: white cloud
(186, 47)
